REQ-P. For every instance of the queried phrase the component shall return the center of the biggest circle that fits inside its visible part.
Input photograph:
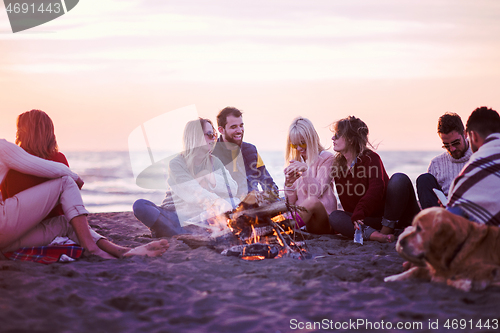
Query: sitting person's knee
(425, 178)
(140, 207)
(400, 177)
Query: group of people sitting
(41, 198)
(205, 182)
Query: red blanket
(45, 254)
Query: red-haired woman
(23, 221)
(35, 134)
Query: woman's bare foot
(380, 237)
(153, 249)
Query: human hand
(221, 206)
(290, 179)
(79, 182)
(358, 224)
(296, 167)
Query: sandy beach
(200, 290)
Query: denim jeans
(425, 183)
(400, 208)
(162, 222)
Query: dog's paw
(462, 284)
(392, 278)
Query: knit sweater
(362, 188)
(15, 182)
(193, 201)
(252, 171)
(14, 157)
(445, 168)
(316, 182)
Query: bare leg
(316, 217)
(386, 230)
(152, 249)
(86, 241)
(382, 238)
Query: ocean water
(110, 184)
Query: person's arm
(265, 179)
(374, 193)
(318, 177)
(61, 158)
(14, 157)
(186, 186)
(291, 192)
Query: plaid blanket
(476, 190)
(46, 254)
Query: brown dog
(448, 248)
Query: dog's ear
(445, 238)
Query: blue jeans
(400, 208)
(425, 183)
(162, 222)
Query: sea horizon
(110, 185)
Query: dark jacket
(256, 172)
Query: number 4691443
(469, 324)
(25, 8)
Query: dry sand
(199, 290)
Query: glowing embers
(254, 251)
(263, 230)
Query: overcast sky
(107, 66)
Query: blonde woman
(199, 186)
(308, 181)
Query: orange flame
(252, 258)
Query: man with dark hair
(240, 158)
(445, 167)
(475, 193)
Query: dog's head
(434, 237)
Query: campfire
(262, 227)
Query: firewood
(195, 241)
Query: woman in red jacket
(35, 134)
(371, 200)
(28, 196)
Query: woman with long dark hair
(371, 201)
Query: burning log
(265, 251)
(257, 229)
